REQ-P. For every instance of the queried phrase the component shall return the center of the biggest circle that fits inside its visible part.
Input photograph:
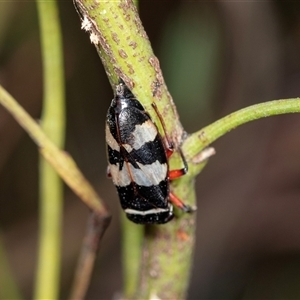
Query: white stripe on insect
(149, 211)
(111, 140)
(147, 175)
(143, 133)
(119, 177)
(127, 147)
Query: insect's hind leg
(178, 203)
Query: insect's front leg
(174, 174)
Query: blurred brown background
(217, 57)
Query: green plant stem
(9, 288)
(61, 161)
(122, 43)
(53, 123)
(132, 240)
(197, 141)
(124, 48)
(118, 35)
(67, 169)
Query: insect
(138, 161)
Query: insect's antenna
(170, 145)
(163, 124)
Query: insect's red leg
(169, 152)
(177, 173)
(173, 174)
(170, 148)
(177, 202)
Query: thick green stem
(122, 43)
(132, 241)
(53, 123)
(117, 33)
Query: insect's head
(124, 98)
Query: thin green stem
(197, 141)
(61, 161)
(66, 167)
(9, 288)
(53, 123)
